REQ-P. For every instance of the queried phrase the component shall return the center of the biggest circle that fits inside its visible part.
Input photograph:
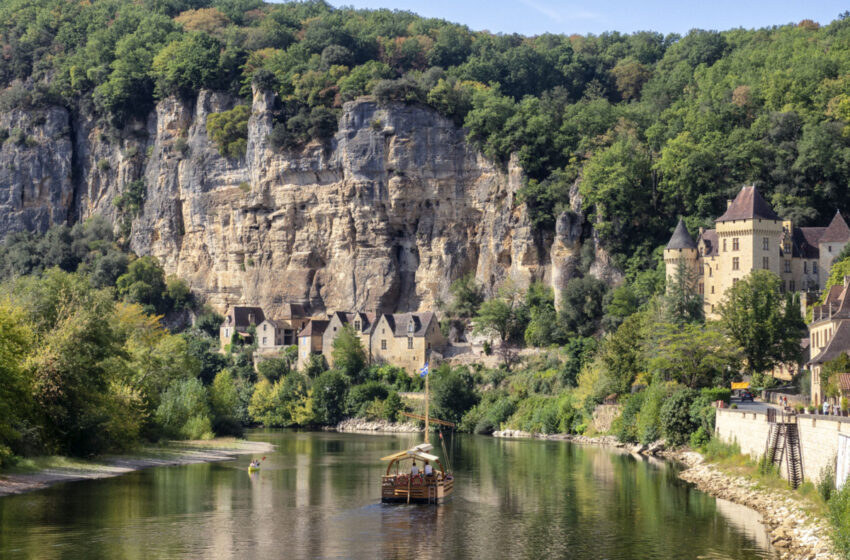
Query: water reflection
(317, 497)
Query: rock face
(383, 217)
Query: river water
(318, 496)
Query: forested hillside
(653, 126)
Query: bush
(183, 412)
(675, 417)
(717, 394)
(360, 397)
(392, 406)
(624, 426)
(699, 438)
(229, 130)
(826, 484)
(329, 394)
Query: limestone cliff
(384, 216)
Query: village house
(406, 340)
(751, 236)
(275, 334)
(829, 333)
(310, 340)
(240, 320)
(362, 324)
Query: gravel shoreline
(794, 533)
(360, 426)
(178, 453)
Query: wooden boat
(406, 481)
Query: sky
(533, 17)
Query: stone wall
(818, 436)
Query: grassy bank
(35, 473)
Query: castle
(751, 236)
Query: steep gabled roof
(837, 230)
(748, 205)
(367, 320)
(681, 239)
(399, 322)
(240, 316)
(291, 311)
(314, 327)
(837, 345)
(804, 242)
(709, 239)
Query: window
(765, 263)
(712, 291)
(409, 343)
(383, 345)
(383, 331)
(805, 267)
(787, 266)
(357, 326)
(734, 281)
(264, 341)
(791, 286)
(265, 327)
(701, 289)
(765, 243)
(734, 243)
(829, 248)
(735, 263)
(724, 245)
(814, 267)
(334, 329)
(701, 252)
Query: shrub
(360, 396)
(103, 165)
(826, 484)
(675, 417)
(699, 438)
(392, 406)
(229, 130)
(329, 393)
(717, 394)
(183, 411)
(839, 519)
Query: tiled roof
(837, 301)
(709, 240)
(837, 345)
(399, 322)
(804, 242)
(844, 381)
(837, 231)
(367, 320)
(748, 205)
(681, 239)
(291, 310)
(240, 316)
(314, 327)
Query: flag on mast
(423, 371)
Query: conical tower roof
(681, 238)
(837, 231)
(748, 205)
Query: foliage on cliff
(654, 126)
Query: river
(317, 496)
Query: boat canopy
(418, 452)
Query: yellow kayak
(253, 469)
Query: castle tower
(681, 248)
(749, 237)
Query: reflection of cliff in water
(747, 521)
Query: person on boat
(429, 470)
(255, 464)
(414, 470)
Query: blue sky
(532, 17)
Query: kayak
(253, 469)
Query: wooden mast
(427, 375)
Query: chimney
(701, 231)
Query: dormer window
(357, 325)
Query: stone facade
(406, 340)
(310, 341)
(829, 333)
(750, 236)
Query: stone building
(406, 340)
(239, 320)
(361, 323)
(282, 331)
(829, 333)
(751, 236)
(310, 340)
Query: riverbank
(361, 426)
(795, 533)
(40, 472)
